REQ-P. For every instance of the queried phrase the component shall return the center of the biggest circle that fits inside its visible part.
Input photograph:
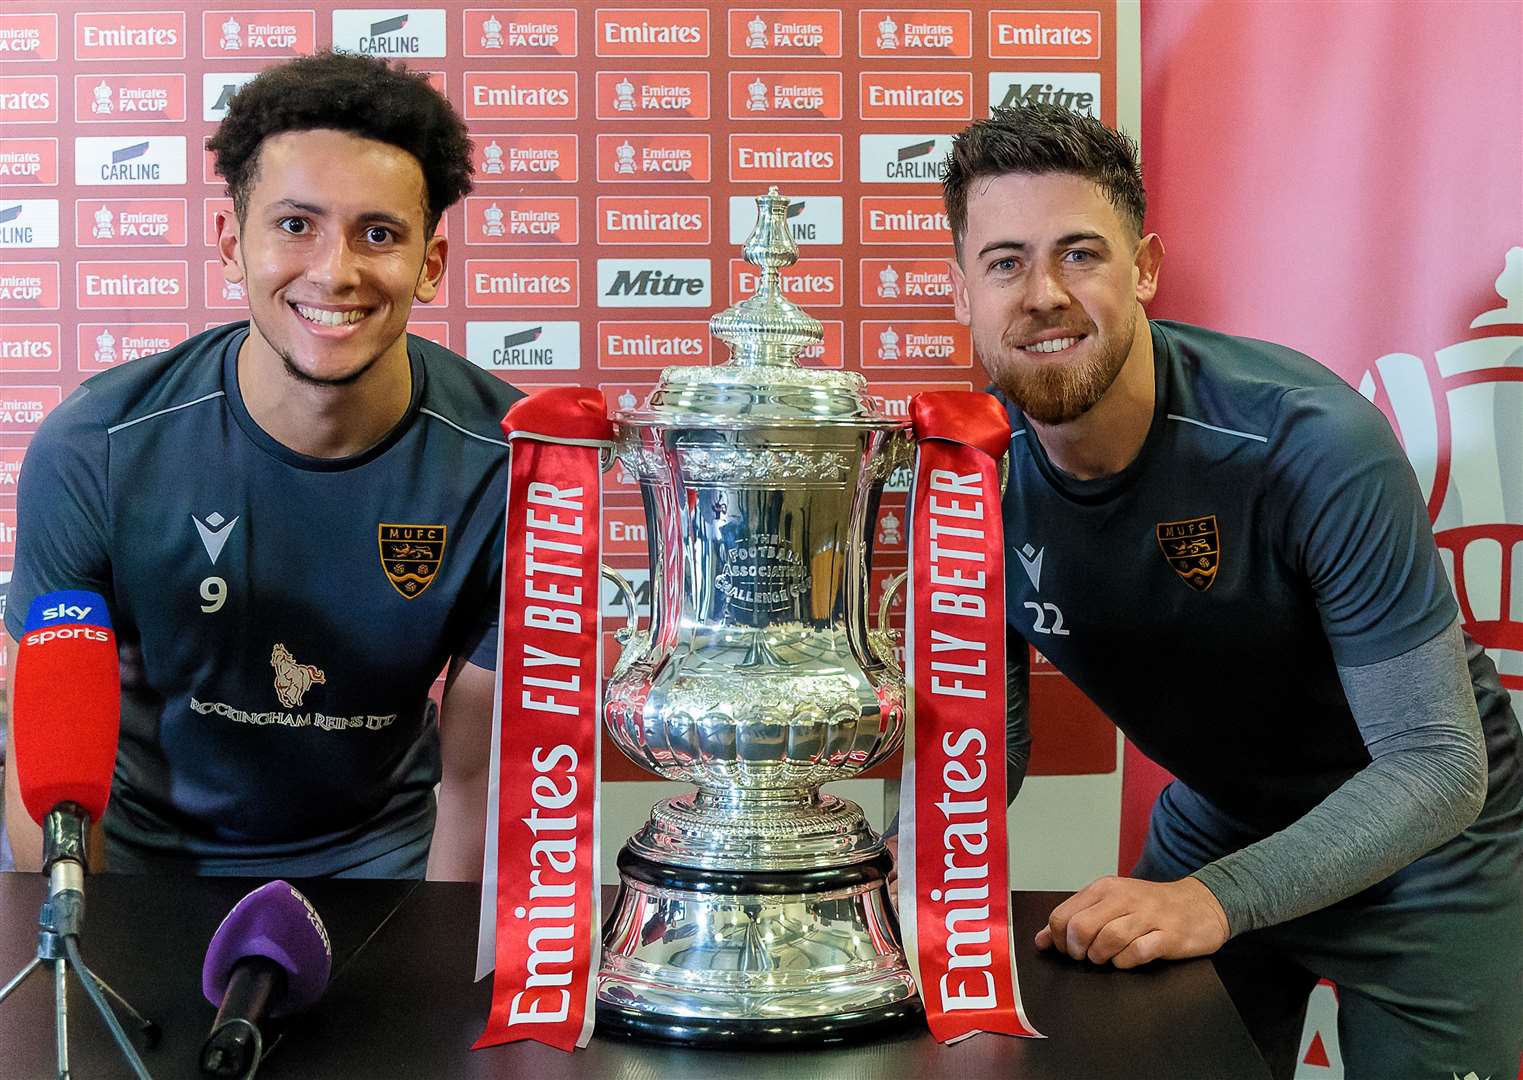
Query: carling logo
(234, 34)
(217, 90)
(510, 220)
(134, 99)
(654, 219)
(775, 32)
(915, 95)
(914, 32)
(808, 282)
(762, 158)
(28, 37)
(30, 347)
(129, 35)
(812, 219)
(105, 345)
(899, 159)
(516, 158)
(652, 31)
(663, 158)
(28, 223)
(28, 99)
(785, 95)
(126, 160)
(653, 95)
(124, 285)
(1044, 35)
(1077, 91)
(130, 222)
(28, 286)
(652, 344)
(520, 95)
(905, 282)
(390, 31)
(904, 219)
(654, 283)
(521, 283)
(28, 162)
(520, 32)
(524, 346)
(903, 343)
(23, 408)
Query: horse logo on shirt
(1193, 548)
(410, 556)
(293, 680)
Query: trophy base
(724, 957)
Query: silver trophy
(757, 908)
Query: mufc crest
(1193, 548)
(410, 555)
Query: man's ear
(431, 275)
(230, 246)
(960, 306)
(1149, 261)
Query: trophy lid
(762, 384)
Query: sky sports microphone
(268, 959)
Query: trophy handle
(633, 642)
(895, 583)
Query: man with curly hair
(296, 520)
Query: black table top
(402, 1004)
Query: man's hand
(1128, 922)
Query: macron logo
(1031, 560)
(66, 611)
(214, 533)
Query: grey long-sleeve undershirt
(1426, 782)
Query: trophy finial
(766, 328)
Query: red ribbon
(548, 924)
(954, 883)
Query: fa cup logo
(232, 40)
(105, 224)
(888, 283)
(105, 347)
(491, 33)
(491, 158)
(102, 103)
(888, 33)
(493, 226)
(888, 344)
(756, 33)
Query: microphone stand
(60, 920)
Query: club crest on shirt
(1193, 548)
(293, 680)
(410, 556)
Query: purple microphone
(269, 958)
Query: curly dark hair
(364, 95)
(1036, 139)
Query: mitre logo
(226, 35)
(105, 345)
(1075, 91)
(550, 220)
(128, 161)
(785, 95)
(105, 285)
(130, 222)
(410, 555)
(808, 282)
(217, 90)
(653, 283)
(129, 35)
(911, 33)
(524, 346)
(138, 99)
(28, 286)
(23, 408)
(520, 95)
(772, 158)
(28, 99)
(791, 32)
(905, 283)
(915, 95)
(28, 37)
(521, 283)
(516, 158)
(28, 162)
(903, 343)
(652, 344)
(663, 158)
(654, 219)
(1045, 35)
(28, 223)
(653, 95)
(30, 347)
(390, 32)
(899, 159)
(905, 219)
(514, 32)
(813, 219)
(652, 32)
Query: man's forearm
(456, 852)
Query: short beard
(1058, 394)
(309, 380)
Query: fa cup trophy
(757, 907)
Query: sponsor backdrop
(618, 152)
